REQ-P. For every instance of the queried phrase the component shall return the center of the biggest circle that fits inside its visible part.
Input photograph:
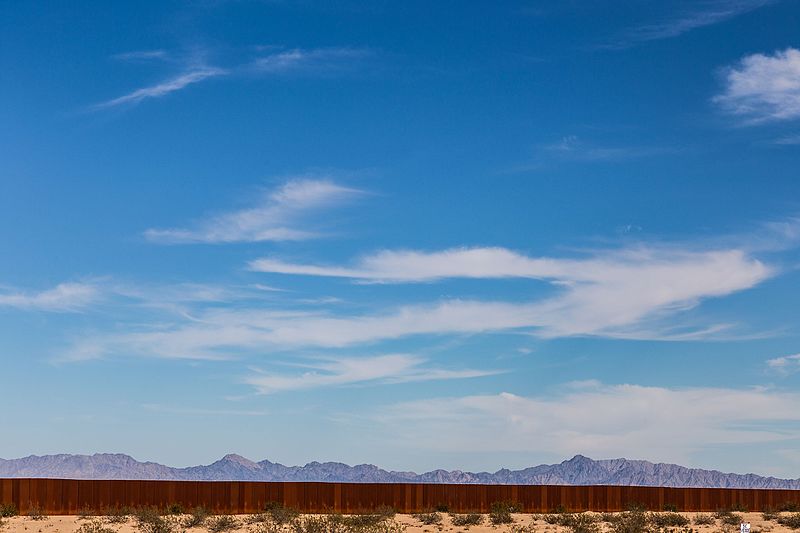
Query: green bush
(581, 522)
(8, 510)
(429, 519)
(728, 517)
(175, 509)
(670, 508)
(466, 520)
(149, 520)
(117, 515)
(789, 507)
(501, 513)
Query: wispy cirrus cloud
(348, 371)
(64, 297)
(274, 62)
(702, 14)
(787, 364)
(590, 417)
(573, 147)
(277, 216)
(763, 88)
(632, 293)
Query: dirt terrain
(441, 522)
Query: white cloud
(341, 371)
(785, 365)
(764, 88)
(64, 297)
(318, 61)
(599, 420)
(574, 147)
(272, 219)
(706, 13)
(164, 88)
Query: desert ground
(442, 522)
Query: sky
(421, 235)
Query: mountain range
(579, 470)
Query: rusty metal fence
(66, 496)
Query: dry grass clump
(704, 519)
(430, 518)
(636, 521)
(517, 528)
(149, 520)
(336, 523)
(8, 510)
(36, 513)
(117, 515)
(94, 526)
(670, 519)
(196, 518)
(466, 520)
(769, 514)
(728, 517)
(791, 521)
(789, 507)
(219, 524)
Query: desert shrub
(670, 508)
(636, 507)
(196, 518)
(769, 514)
(728, 518)
(94, 526)
(704, 519)
(267, 527)
(149, 520)
(281, 514)
(466, 520)
(517, 528)
(175, 509)
(739, 508)
(8, 510)
(668, 520)
(500, 513)
(791, 521)
(442, 508)
(580, 523)
(430, 518)
(86, 512)
(609, 518)
(218, 524)
(630, 522)
(789, 507)
(117, 515)
(36, 513)
(559, 509)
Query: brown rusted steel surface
(68, 496)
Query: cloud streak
(348, 371)
(65, 297)
(274, 218)
(705, 14)
(788, 364)
(597, 419)
(763, 88)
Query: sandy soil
(71, 524)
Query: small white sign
(744, 527)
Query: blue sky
(423, 234)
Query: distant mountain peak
(579, 470)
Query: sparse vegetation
(467, 519)
(175, 509)
(789, 507)
(769, 514)
(704, 519)
(670, 508)
(517, 528)
(219, 524)
(86, 512)
(430, 518)
(635, 521)
(149, 520)
(791, 520)
(728, 517)
(281, 514)
(670, 519)
(36, 513)
(94, 526)
(196, 518)
(117, 515)
(501, 513)
(581, 522)
(8, 510)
